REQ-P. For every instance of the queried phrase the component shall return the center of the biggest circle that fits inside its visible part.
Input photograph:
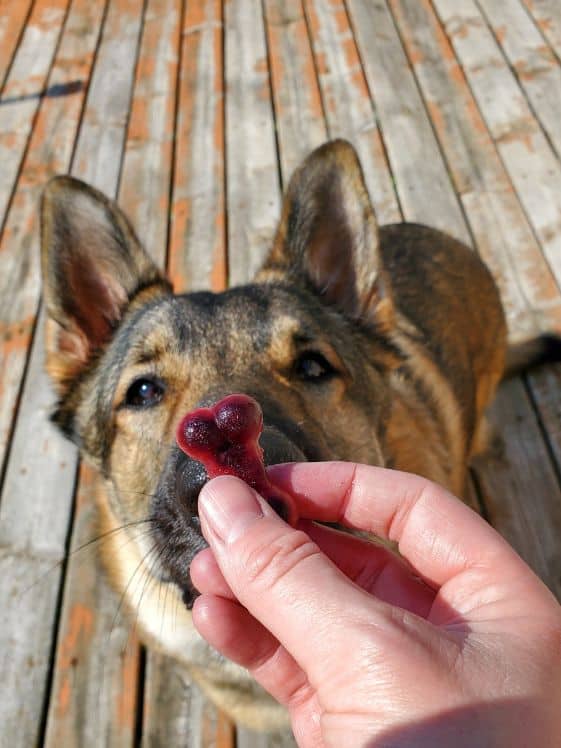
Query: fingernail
(229, 506)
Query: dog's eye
(144, 393)
(313, 367)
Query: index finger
(438, 534)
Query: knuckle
(268, 564)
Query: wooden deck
(194, 114)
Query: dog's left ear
(328, 236)
(93, 266)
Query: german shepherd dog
(380, 345)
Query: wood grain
(253, 198)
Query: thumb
(284, 580)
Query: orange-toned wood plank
(500, 228)
(253, 199)
(298, 107)
(93, 695)
(49, 152)
(348, 107)
(23, 88)
(197, 256)
(145, 183)
(13, 16)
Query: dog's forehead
(223, 319)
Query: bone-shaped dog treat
(225, 439)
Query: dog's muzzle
(174, 512)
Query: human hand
(458, 643)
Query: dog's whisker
(123, 596)
(73, 552)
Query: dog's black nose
(190, 477)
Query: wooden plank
(425, 193)
(546, 386)
(500, 228)
(548, 19)
(94, 698)
(347, 104)
(23, 88)
(49, 153)
(533, 60)
(34, 514)
(12, 22)
(524, 504)
(145, 183)
(297, 103)
(168, 711)
(528, 157)
(35, 511)
(251, 163)
(197, 257)
(28, 590)
(475, 167)
(94, 689)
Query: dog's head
(309, 339)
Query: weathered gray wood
(12, 21)
(548, 19)
(347, 104)
(524, 504)
(421, 179)
(22, 91)
(28, 600)
(526, 153)
(168, 718)
(49, 152)
(298, 110)
(95, 679)
(534, 62)
(39, 484)
(546, 386)
(251, 163)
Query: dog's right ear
(93, 266)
